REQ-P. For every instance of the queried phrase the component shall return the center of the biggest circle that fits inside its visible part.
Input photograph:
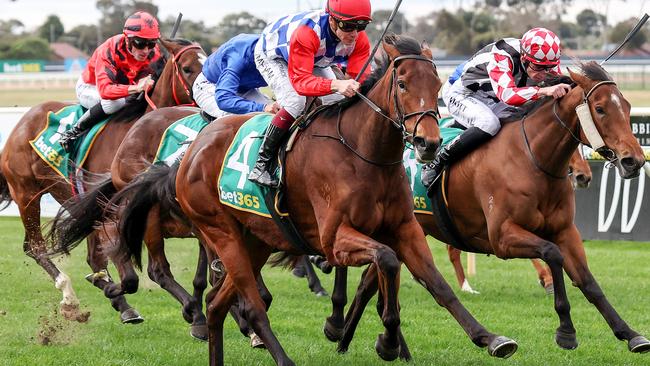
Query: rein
(402, 117)
(177, 76)
(574, 135)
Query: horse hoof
(386, 353)
(199, 331)
(502, 347)
(566, 340)
(638, 344)
(332, 332)
(131, 316)
(256, 341)
(321, 293)
(342, 349)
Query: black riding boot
(86, 121)
(261, 173)
(454, 151)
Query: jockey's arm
(226, 92)
(105, 73)
(303, 46)
(358, 57)
(503, 83)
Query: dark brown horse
(512, 198)
(25, 177)
(352, 202)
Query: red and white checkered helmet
(540, 46)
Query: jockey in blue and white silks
(229, 81)
(295, 54)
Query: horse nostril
(583, 179)
(629, 163)
(419, 141)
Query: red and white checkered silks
(541, 46)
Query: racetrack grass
(511, 302)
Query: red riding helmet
(143, 25)
(540, 46)
(349, 9)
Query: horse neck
(371, 134)
(162, 93)
(552, 144)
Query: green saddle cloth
(422, 202)
(47, 146)
(177, 138)
(235, 190)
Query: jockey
(294, 55)
(119, 67)
(229, 82)
(500, 76)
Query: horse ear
(388, 43)
(426, 50)
(577, 77)
(168, 44)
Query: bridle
(177, 77)
(400, 122)
(575, 135)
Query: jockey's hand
(555, 91)
(143, 84)
(345, 87)
(272, 108)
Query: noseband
(177, 76)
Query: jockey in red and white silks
(497, 78)
(294, 55)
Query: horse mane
(594, 71)
(136, 108)
(404, 44)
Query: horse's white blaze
(202, 58)
(618, 103)
(421, 102)
(64, 284)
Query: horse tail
(284, 260)
(5, 194)
(156, 185)
(78, 218)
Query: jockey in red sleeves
(295, 55)
(119, 67)
(497, 78)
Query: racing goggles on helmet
(542, 68)
(350, 25)
(142, 43)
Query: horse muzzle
(425, 150)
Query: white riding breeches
(275, 72)
(472, 109)
(88, 96)
(204, 94)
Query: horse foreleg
(312, 278)
(353, 248)
(200, 282)
(454, 258)
(219, 300)
(575, 264)
(159, 271)
(417, 257)
(517, 242)
(367, 288)
(544, 275)
(334, 323)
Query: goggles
(141, 43)
(541, 68)
(351, 25)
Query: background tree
(380, 19)
(237, 23)
(193, 31)
(620, 30)
(84, 37)
(590, 23)
(29, 48)
(52, 29)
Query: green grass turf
(511, 303)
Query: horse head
(184, 63)
(580, 170)
(414, 91)
(610, 133)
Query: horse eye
(187, 69)
(401, 84)
(600, 110)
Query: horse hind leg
(100, 278)
(544, 275)
(312, 278)
(334, 324)
(34, 246)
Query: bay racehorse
(26, 177)
(512, 197)
(351, 201)
(580, 175)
